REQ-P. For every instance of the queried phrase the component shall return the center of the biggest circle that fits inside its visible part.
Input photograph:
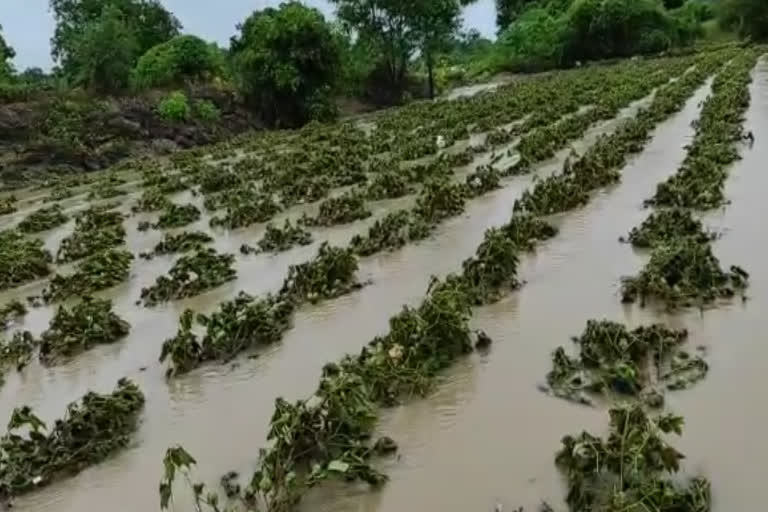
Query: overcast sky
(28, 25)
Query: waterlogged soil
(487, 435)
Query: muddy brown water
(487, 435)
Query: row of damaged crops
(635, 460)
(246, 322)
(402, 363)
(330, 434)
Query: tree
(182, 58)
(286, 61)
(104, 53)
(147, 20)
(6, 54)
(508, 10)
(401, 27)
(748, 17)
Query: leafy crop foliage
(183, 58)
(103, 270)
(286, 60)
(21, 259)
(31, 455)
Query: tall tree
(6, 54)
(508, 10)
(399, 28)
(148, 21)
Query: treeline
(289, 63)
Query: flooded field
(486, 435)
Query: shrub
(175, 107)
(175, 61)
(207, 111)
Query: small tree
(104, 53)
(286, 61)
(182, 58)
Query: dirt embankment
(77, 132)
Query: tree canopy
(182, 58)
(399, 28)
(748, 17)
(6, 54)
(286, 60)
(147, 22)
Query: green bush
(535, 40)
(207, 111)
(286, 59)
(175, 107)
(175, 61)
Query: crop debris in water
(101, 271)
(33, 456)
(43, 219)
(613, 359)
(96, 229)
(21, 259)
(175, 216)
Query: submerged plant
(440, 200)
(388, 185)
(390, 232)
(175, 216)
(10, 312)
(7, 205)
(43, 220)
(32, 456)
(683, 273)
(276, 239)
(632, 469)
(240, 214)
(242, 324)
(340, 210)
(191, 275)
(89, 323)
(151, 200)
(668, 226)
(17, 352)
(330, 274)
(526, 230)
(21, 259)
(101, 271)
(614, 359)
(483, 180)
(493, 269)
(96, 229)
(182, 242)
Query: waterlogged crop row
(330, 433)
(682, 269)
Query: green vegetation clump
(7, 205)
(440, 200)
(276, 239)
(103, 270)
(667, 226)
(175, 216)
(243, 212)
(32, 456)
(10, 312)
(152, 199)
(96, 229)
(21, 259)
(91, 322)
(340, 210)
(637, 461)
(43, 219)
(18, 351)
(244, 323)
(329, 274)
(525, 230)
(613, 359)
(182, 242)
(683, 273)
(390, 232)
(388, 185)
(191, 275)
(175, 107)
(485, 179)
(493, 269)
